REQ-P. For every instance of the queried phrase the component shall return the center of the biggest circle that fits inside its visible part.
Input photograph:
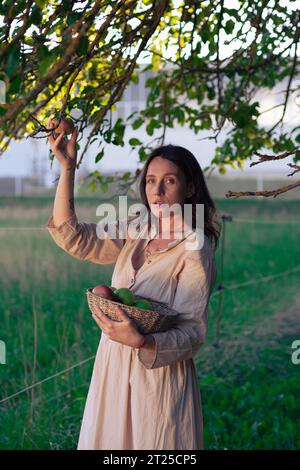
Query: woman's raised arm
(65, 151)
(80, 240)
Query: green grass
(249, 387)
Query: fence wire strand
(46, 379)
(235, 219)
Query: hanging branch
(268, 158)
(273, 193)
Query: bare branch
(268, 158)
(273, 193)
(297, 168)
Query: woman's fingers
(99, 314)
(74, 135)
(50, 135)
(97, 321)
(59, 139)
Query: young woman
(144, 393)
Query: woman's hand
(63, 148)
(124, 332)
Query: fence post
(225, 218)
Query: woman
(143, 393)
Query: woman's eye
(168, 179)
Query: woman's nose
(159, 188)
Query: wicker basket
(161, 318)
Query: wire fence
(50, 377)
(219, 292)
(236, 219)
(266, 222)
(235, 286)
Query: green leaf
(137, 123)
(126, 176)
(104, 186)
(243, 115)
(211, 94)
(42, 51)
(133, 141)
(73, 17)
(296, 156)
(179, 114)
(154, 93)
(15, 84)
(36, 16)
(118, 129)
(92, 185)
(13, 60)
(151, 81)
(66, 5)
(151, 126)
(229, 26)
(142, 154)
(41, 3)
(135, 78)
(45, 64)
(205, 33)
(99, 156)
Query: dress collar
(148, 234)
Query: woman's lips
(159, 203)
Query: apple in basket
(127, 297)
(106, 292)
(142, 303)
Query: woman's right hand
(65, 150)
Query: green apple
(142, 303)
(125, 295)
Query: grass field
(250, 388)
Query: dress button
(132, 280)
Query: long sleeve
(192, 294)
(81, 240)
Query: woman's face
(165, 182)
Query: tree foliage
(57, 56)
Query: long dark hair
(192, 171)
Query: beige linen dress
(140, 399)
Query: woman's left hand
(124, 332)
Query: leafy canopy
(209, 59)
